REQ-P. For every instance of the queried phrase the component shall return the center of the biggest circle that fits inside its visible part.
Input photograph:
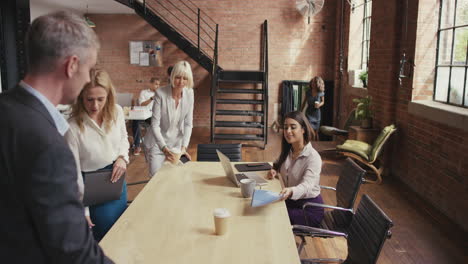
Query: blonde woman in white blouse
(98, 140)
(299, 165)
(171, 123)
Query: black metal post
(15, 20)
(198, 28)
(214, 84)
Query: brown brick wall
(430, 157)
(297, 51)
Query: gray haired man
(42, 217)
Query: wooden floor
(420, 233)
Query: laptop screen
(226, 163)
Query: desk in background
(171, 221)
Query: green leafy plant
(363, 108)
(363, 78)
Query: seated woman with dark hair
(299, 165)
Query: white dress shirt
(303, 173)
(145, 95)
(94, 147)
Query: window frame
(366, 28)
(451, 64)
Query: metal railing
(189, 21)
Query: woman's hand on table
(286, 193)
(271, 174)
(120, 166)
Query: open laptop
(98, 187)
(236, 178)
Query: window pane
(445, 47)
(442, 84)
(462, 12)
(461, 42)
(369, 8)
(466, 91)
(456, 85)
(448, 8)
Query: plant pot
(366, 123)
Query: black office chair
(333, 131)
(351, 176)
(207, 152)
(366, 235)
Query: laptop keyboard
(241, 176)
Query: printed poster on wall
(146, 53)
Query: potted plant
(364, 111)
(363, 78)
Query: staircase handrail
(202, 30)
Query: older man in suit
(42, 217)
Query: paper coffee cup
(177, 153)
(221, 220)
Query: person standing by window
(315, 100)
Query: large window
(359, 40)
(451, 82)
(366, 25)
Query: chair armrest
(326, 206)
(302, 230)
(327, 187)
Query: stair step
(240, 91)
(241, 76)
(238, 101)
(239, 112)
(238, 137)
(238, 124)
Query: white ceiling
(41, 7)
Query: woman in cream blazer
(171, 123)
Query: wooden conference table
(171, 221)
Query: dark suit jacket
(42, 219)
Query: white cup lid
(221, 212)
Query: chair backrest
(349, 182)
(367, 233)
(379, 143)
(124, 99)
(207, 152)
(351, 121)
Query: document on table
(264, 197)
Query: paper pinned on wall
(135, 48)
(144, 59)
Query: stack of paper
(263, 197)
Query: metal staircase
(239, 99)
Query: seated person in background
(145, 99)
(315, 97)
(299, 165)
(98, 139)
(171, 123)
